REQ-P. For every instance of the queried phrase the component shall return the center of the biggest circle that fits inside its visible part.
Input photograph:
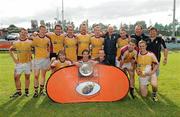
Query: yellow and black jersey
(145, 60)
(96, 45)
(23, 49)
(41, 47)
(128, 56)
(83, 43)
(57, 64)
(120, 43)
(70, 45)
(56, 41)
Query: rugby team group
(49, 51)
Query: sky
(21, 12)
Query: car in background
(12, 36)
(178, 40)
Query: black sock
(36, 89)
(132, 92)
(131, 89)
(41, 88)
(19, 91)
(26, 90)
(154, 94)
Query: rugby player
(96, 42)
(57, 40)
(21, 54)
(60, 62)
(127, 62)
(83, 40)
(122, 41)
(147, 65)
(70, 44)
(41, 44)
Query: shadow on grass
(43, 106)
(11, 102)
(14, 105)
(36, 107)
(10, 106)
(164, 107)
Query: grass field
(168, 105)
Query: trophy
(86, 69)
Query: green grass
(168, 105)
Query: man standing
(122, 41)
(155, 44)
(57, 39)
(139, 35)
(83, 40)
(70, 44)
(22, 48)
(96, 42)
(41, 45)
(110, 39)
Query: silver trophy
(86, 69)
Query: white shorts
(145, 80)
(23, 67)
(41, 64)
(127, 65)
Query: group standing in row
(54, 50)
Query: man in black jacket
(139, 35)
(155, 45)
(110, 39)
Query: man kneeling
(147, 65)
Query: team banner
(99, 83)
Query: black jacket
(155, 46)
(139, 38)
(110, 44)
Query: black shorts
(79, 57)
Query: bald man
(110, 40)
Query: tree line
(163, 29)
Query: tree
(142, 23)
(131, 29)
(13, 29)
(178, 31)
(12, 26)
(42, 22)
(34, 25)
(48, 25)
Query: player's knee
(16, 78)
(143, 94)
